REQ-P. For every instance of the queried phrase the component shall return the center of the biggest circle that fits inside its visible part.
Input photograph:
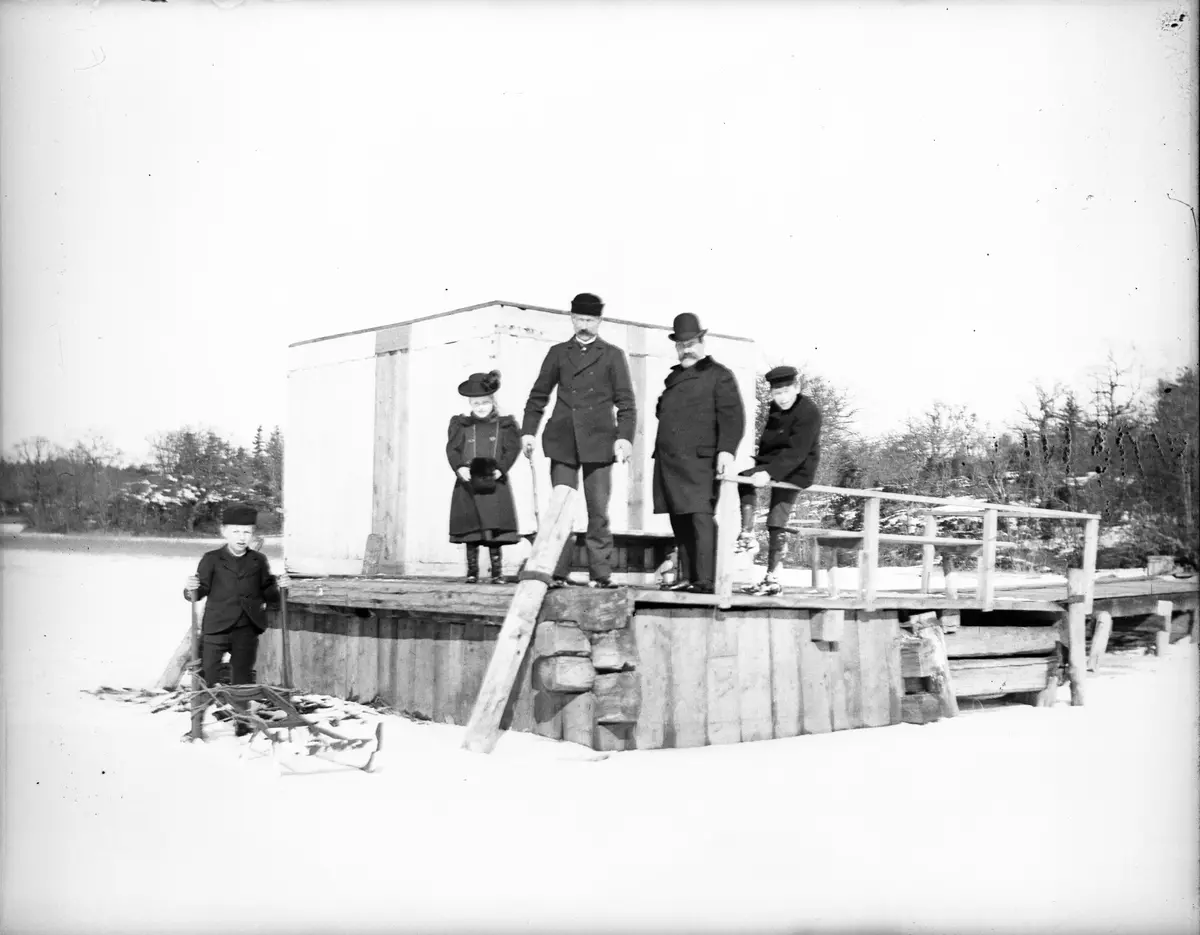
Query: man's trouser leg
(564, 475)
(685, 545)
(704, 558)
(597, 488)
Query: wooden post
(1104, 622)
(947, 571)
(928, 628)
(1091, 540)
(1076, 635)
(285, 648)
(831, 561)
(728, 526)
(927, 552)
(1162, 639)
(814, 562)
(870, 552)
(483, 728)
(987, 561)
(198, 707)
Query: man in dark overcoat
(592, 381)
(701, 421)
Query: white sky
(914, 200)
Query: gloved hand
(527, 445)
(622, 450)
(724, 462)
(761, 478)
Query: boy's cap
(239, 514)
(781, 376)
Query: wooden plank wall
(758, 675)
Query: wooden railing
(869, 539)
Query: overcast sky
(916, 201)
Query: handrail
(1007, 508)
(728, 527)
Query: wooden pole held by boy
(198, 705)
(483, 728)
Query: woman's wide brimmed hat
(687, 327)
(480, 384)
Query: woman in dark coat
(482, 447)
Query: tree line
(1126, 454)
(181, 489)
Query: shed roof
(521, 305)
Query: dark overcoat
(700, 413)
(591, 384)
(235, 586)
(790, 447)
(468, 438)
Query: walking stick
(537, 521)
(197, 732)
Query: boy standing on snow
(789, 451)
(238, 583)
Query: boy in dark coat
(482, 447)
(701, 421)
(238, 583)
(788, 451)
(592, 381)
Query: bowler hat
(480, 384)
(587, 304)
(687, 326)
(239, 514)
(781, 376)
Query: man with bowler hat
(582, 434)
(789, 450)
(701, 421)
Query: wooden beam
(987, 561)
(728, 526)
(1104, 622)
(1003, 675)
(869, 564)
(1076, 636)
(563, 674)
(1000, 641)
(483, 729)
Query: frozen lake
(1005, 820)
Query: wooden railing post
(927, 552)
(1076, 635)
(1162, 639)
(870, 552)
(987, 560)
(728, 527)
(1103, 631)
(1091, 541)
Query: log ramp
(633, 669)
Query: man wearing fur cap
(582, 434)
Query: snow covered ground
(1004, 820)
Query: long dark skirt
(486, 518)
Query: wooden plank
(362, 660)
(895, 678)
(728, 521)
(828, 626)
(448, 655)
(875, 645)
(512, 644)
(385, 660)
(1003, 675)
(754, 676)
(389, 480)
(404, 662)
(1000, 641)
(723, 710)
(424, 669)
(688, 706)
(651, 633)
(518, 709)
(267, 663)
(1076, 633)
(909, 601)
(986, 588)
(915, 659)
(845, 676)
(353, 646)
(477, 650)
(815, 693)
(785, 675)
(870, 553)
(337, 646)
(578, 718)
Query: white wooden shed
(366, 432)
